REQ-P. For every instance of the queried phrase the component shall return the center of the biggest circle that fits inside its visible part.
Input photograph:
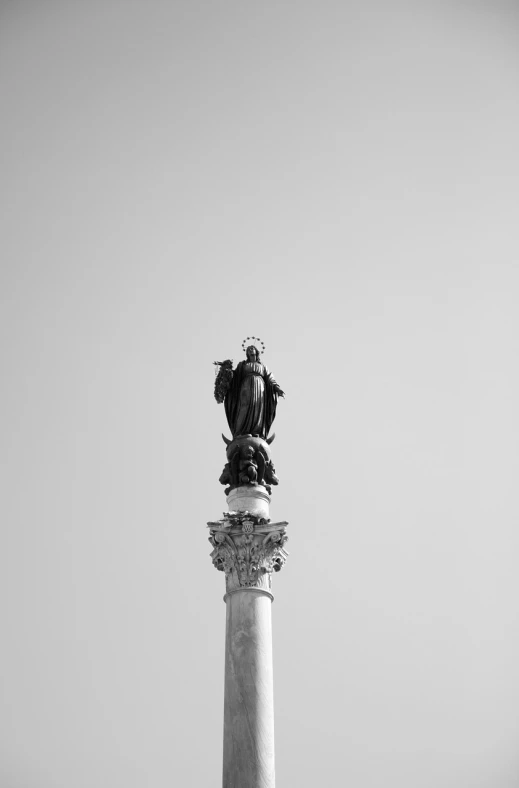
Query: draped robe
(250, 403)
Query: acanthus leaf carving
(248, 551)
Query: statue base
(249, 498)
(249, 464)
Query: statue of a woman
(250, 395)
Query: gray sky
(340, 179)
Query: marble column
(249, 549)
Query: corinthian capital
(248, 550)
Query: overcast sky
(341, 179)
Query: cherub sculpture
(249, 463)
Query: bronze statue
(249, 394)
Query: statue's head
(252, 353)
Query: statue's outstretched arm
(273, 382)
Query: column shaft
(248, 752)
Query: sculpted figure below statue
(249, 393)
(248, 463)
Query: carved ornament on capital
(248, 550)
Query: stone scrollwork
(248, 550)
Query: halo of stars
(245, 344)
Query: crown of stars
(245, 344)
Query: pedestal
(254, 500)
(248, 548)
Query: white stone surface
(248, 552)
(255, 500)
(248, 757)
